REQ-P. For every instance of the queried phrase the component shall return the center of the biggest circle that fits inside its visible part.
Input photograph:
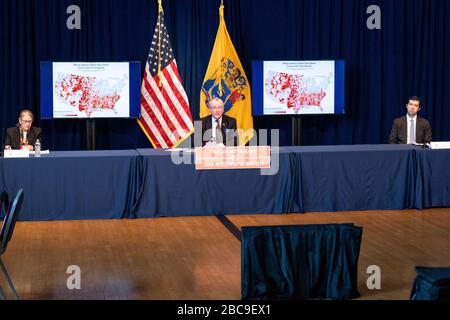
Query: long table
(179, 190)
(74, 184)
(147, 183)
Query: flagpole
(219, 54)
(159, 41)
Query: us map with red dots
(90, 90)
(299, 87)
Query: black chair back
(4, 202)
(4, 206)
(10, 221)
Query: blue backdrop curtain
(408, 56)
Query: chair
(6, 234)
(431, 284)
(4, 203)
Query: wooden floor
(198, 258)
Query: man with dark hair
(411, 128)
(24, 135)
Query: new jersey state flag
(225, 78)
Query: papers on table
(10, 153)
(180, 149)
(23, 153)
(42, 152)
(440, 145)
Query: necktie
(218, 132)
(412, 137)
(23, 138)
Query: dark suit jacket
(228, 123)
(13, 136)
(399, 131)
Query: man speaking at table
(411, 128)
(24, 135)
(219, 128)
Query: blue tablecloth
(359, 177)
(321, 178)
(147, 183)
(179, 190)
(433, 172)
(74, 184)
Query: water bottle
(37, 149)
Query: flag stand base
(90, 134)
(296, 126)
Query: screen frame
(46, 90)
(258, 88)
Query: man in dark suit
(24, 135)
(219, 128)
(411, 128)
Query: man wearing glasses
(24, 135)
(218, 128)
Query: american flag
(165, 115)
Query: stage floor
(199, 258)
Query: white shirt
(408, 125)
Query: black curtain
(408, 56)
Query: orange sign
(254, 157)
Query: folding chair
(6, 234)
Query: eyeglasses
(27, 121)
